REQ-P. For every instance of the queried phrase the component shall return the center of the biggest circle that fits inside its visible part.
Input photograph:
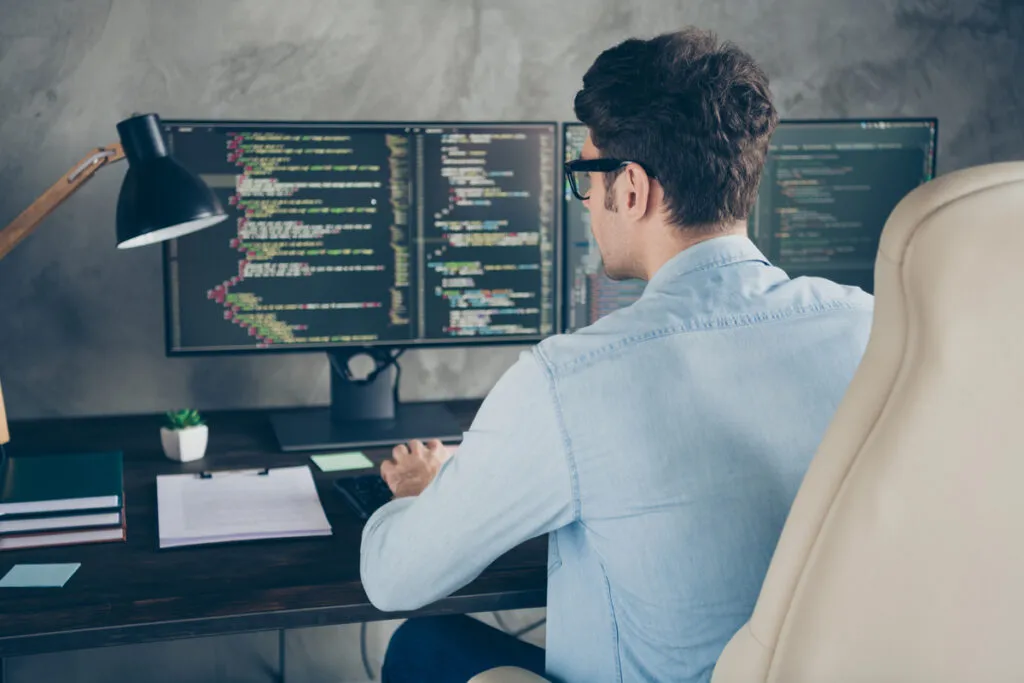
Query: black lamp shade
(160, 199)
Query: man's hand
(413, 466)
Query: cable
(521, 632)
(362, 652)
(501, 623)
(382, 360)
(398, 372)
(527, 629)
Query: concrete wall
(81, 327)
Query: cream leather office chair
(902, 558)
(903, 555)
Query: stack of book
(63, 499)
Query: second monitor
(344, 237)
(827, 189)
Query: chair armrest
(507, 674)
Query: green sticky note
(39, 575)
(335, 462)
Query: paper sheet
(39, 575)
(238, 506)
(335, 462)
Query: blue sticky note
(39, 575)
(334, 462)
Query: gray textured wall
(81, 327)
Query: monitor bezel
(563, 287)
(933, 120)
(398, 344)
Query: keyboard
(364, 493)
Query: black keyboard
(364, 493)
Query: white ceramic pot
(185, 445)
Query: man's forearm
(510, 481)
(388, 564)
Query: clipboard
(226, 473)
(239, 505)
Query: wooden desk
(134, 592)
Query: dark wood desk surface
(135, 592)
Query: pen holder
(185, 445)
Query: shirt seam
(728, 254)
(615, 622)
(707, 325)
(570, 458)
(723, 260)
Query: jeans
(453, 648)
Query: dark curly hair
(696, 112)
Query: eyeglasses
(578, 171)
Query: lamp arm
(22, 226)
(5, 435)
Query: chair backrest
(903, 555)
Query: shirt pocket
(554, 558)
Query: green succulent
(182, 419)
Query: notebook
(15, 524)
(32, 484)
(72, 537)
(238, 505)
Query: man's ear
(638, 192)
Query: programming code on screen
(824, 197)
(365, 234)
(828, 189)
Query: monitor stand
(364, 413)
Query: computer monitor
(828, 188)
(372, 237)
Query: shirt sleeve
(509, 481)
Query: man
(660, 447)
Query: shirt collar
(711, 253)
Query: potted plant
(185, 435)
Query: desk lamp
(159, 198)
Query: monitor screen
(365, 234)
(828, 188)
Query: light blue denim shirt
(662, 446)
